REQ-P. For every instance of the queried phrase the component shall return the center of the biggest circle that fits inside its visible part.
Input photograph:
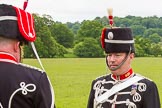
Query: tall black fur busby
(15, 23)
(9, 27)
(116, 39)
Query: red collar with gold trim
(6, 57)
(124, 76)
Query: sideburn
(21, 53)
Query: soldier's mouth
(113, 66)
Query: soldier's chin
(113, 68)
(114, 71)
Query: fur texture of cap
(15, 24)
(9, 28)
(116, 40)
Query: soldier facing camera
(122, 88)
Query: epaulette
(144, 77)
(102, 76)
(31, 67)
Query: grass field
(72, 77)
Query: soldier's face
(115, 59)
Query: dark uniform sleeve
(151, 97)
(44, 97)
(91, 97)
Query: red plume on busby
(25, 4)
(110, 17)
(116, 39)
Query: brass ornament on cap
(110, 35)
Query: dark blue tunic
(143, 94)
(23, 86)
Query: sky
(79, 10)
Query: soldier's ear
(17, 46)
(132, 56)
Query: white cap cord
(37, 56)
